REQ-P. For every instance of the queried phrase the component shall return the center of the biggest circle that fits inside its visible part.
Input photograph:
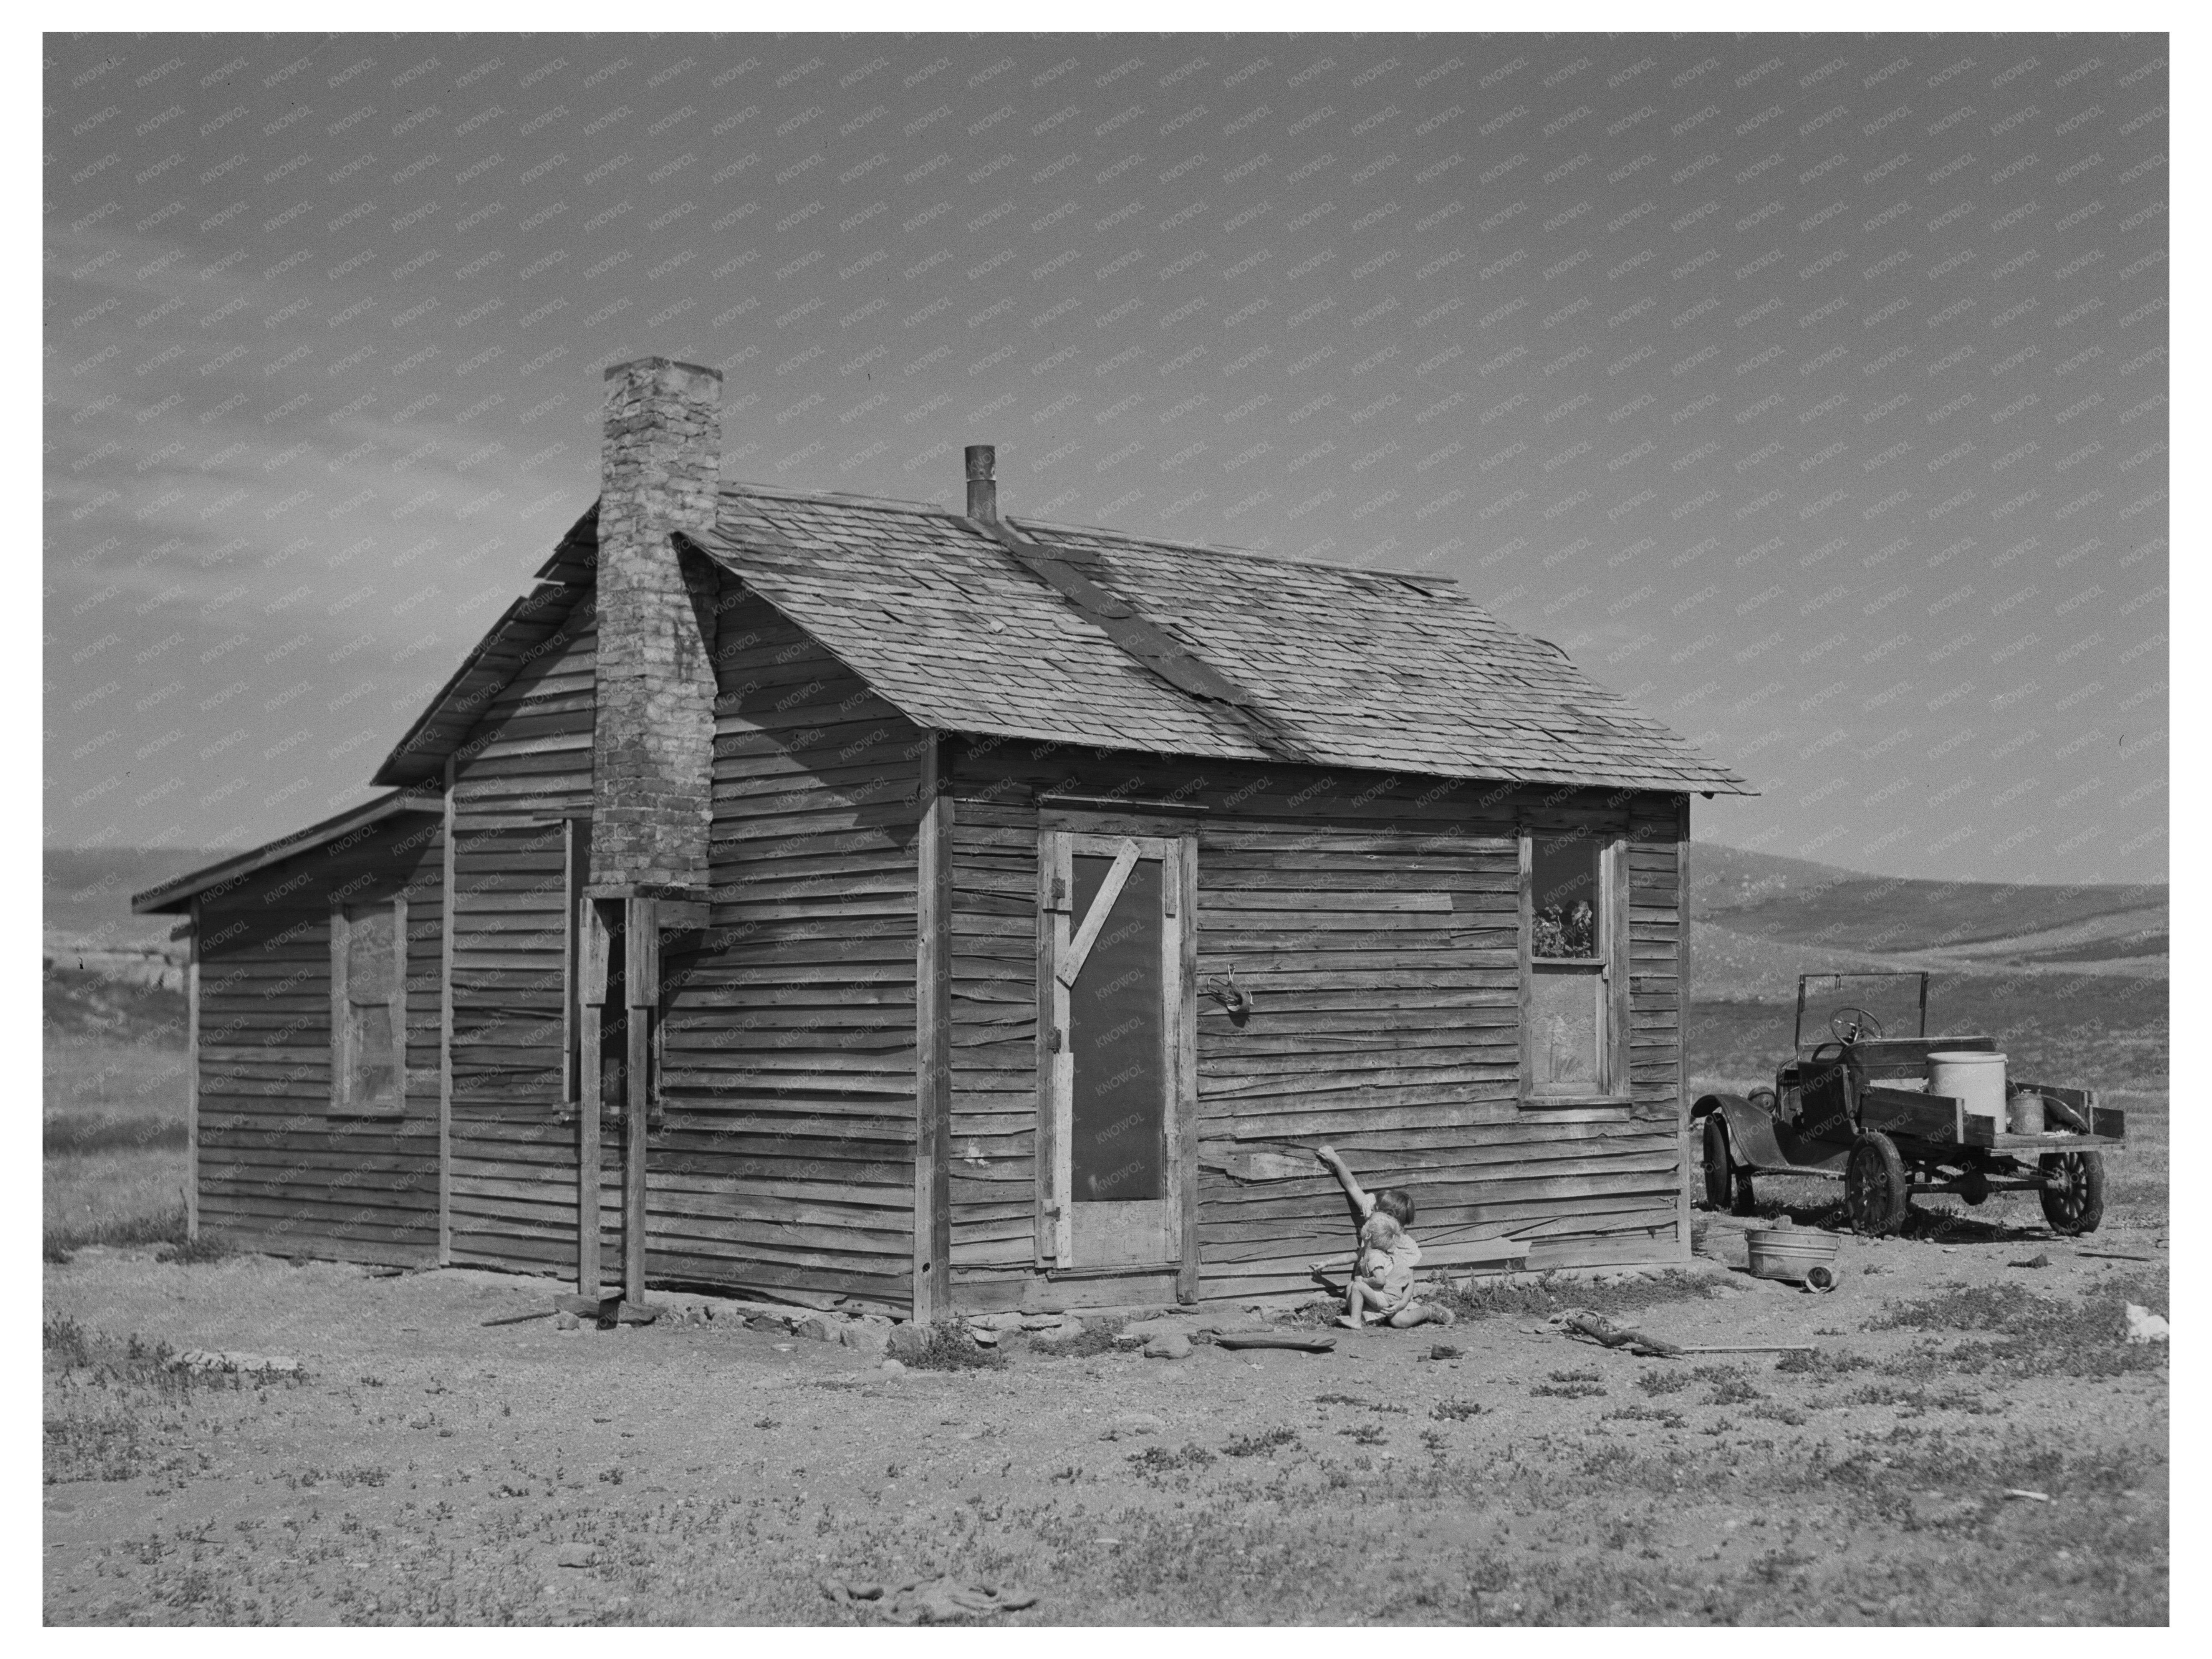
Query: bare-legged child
(1382, 1280)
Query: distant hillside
(2072, 981)
(1795, 900)
(87, 893)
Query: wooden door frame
(1177, 851)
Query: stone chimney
(654, 737)
(983, 484)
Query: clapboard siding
(787, 1160)
(526, 765)
(276, 1171)
(1376, 922)
(992, 1146)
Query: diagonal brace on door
(1094, 921)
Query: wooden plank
(932, 1293)
(637, 1116)
(593, 950)
(1180, 883)
(192, 1077)
(1051, 898)
(1615, 857)
(1094, 921)
(1681, 1004)
(341, 1025)
(1056, 879)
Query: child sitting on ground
(1382, 1285)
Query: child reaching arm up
(1382, 1283)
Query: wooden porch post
(592, 949)
(933, 1183)
(642, 982)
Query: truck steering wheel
(1850, 1025)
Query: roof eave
(174, 897)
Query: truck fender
(1750, 1131)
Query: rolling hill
(2071, 980)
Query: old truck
(1853, 1101)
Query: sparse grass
(160, 1227)
(2035, 1335)
(193, 1251)
(948, 1348)
(1824, 1365)
(1730, 1386)
(1156, 1461)
(63, 1341)
(1260, 1446)
(1572, 1385)
(1662, 1382)
(1639, 1412)
(1486, 1298)
(1096, 1337)
(1920, 1399)
(117, 1410)
(1455, 1411)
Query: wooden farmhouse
(853, 900)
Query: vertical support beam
(932, 1053)
(573, 833)
(396, 1004)
(341, 1049)
(591, 948)
(1061, 1098)
(192, 1077)
(642, 982)
(1620, 962)
(1682, 913)
(448, 913)
(1051, 901)
(1180, 877)
(1523, 839)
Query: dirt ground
(430, 1467)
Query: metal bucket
(1789, 1253)
(1976, 1080)
(2024, 1112)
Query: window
(369, 1008)
(1564, 900)
(1574, 968)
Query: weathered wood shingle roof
(1066, 635)
(1293, 661)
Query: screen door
(1118, 1000)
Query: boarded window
(369, 1008)
(1566, 1022)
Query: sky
(1810, 390)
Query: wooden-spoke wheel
(1875, 1191)
(1719, 1168)
(2074, 1194)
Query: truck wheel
(2074, 1201)
(1875, 1188)
(1719, 1172)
